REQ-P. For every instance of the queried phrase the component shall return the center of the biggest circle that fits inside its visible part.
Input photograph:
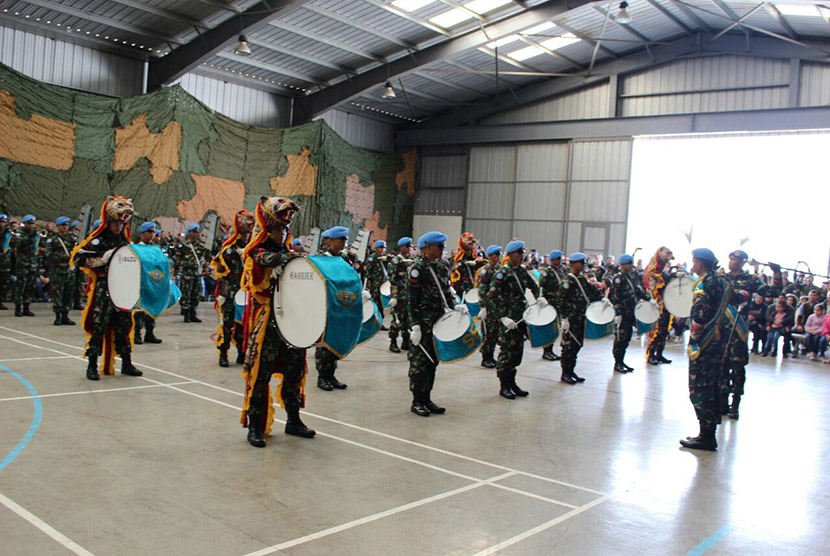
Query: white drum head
(386, 289)
(646, 312)
(678, 296)
(302, 296)
(451, 326)
(368, 310)
(600, 313)
(239, 297)
(124, 279)
(539, 316)
(471, 296)
(529, 297)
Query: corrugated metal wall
(250, 106)
(814, 89)
(591, 102)
(442, 184)
(70, 65)
(366, 133)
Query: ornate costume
(655, 278)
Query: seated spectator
(778, 323)
(757, 322)
(813, 328)
(789, 344)
(825, 336)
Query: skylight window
(560, 42)
(484, 6)
(503, 42)
(450, 18)
(539, 29)
(551, 44)
(525, 53)
(805, 10)
(411, 5)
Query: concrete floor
(160, 465)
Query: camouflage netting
(177, 159)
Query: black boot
(65, 319)
(26, 311)
(57, 319)
(652, 360)
(256, 435)
(295, 427)
(240, 356)
(434, 407)
(323, 383)
(405, 344)
(549, 355)
(137, 337)
(419, 407)
(18, 312)
(628, 368)
(662, 359)
(515, 388)
(733, 409)
(223, 358)
(393, 346)
(568, 376)
(505, 391)
(92, 368)
(336, 383)
(150, 338)
(620, 368)
(193, 317)
(186, 316)
(127, 366)
(704, 441)
(488, 362)
(77, 307)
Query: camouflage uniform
(61, 276)
(375, 275)
(491, 323)
(426, 304)
(191, 255)
(5, 260)
(324, 360)
(571, 303)
(733, 377)
(507, 291)
(227, 287)
(399, 279)
(550, 282)
(466, 267)
(25, 243)
(626, 290)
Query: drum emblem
(346, 299)
(157, 276)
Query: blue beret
(380, 243)
(96, 224)
(492, 249)
(577, 257)
(514, 246)
(433, 238)
(148, 227)
(296, 241)
(704, 254)
(193, 228)
(404, 241)
(338, 232)
(28, 218)
(555, 254)
(4, 217)
(75, 224)
(62, 220)
(625, 258)
(740, 254)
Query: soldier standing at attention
(507, 290)
(5, 259)
(399, 278)
(26, 244)
(550, 282)
(375, 273)
(429, 297)
(574, 296)
(191, 254)
(465, 265)
(707, 345)
(625, 291)
(146, 236)
(61, 275)
(488, 316)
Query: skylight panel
(539, 29)
(412, 5)
(805, 10)
(450, 18)
(503, 42)
(526, 53)
(560, 42)
(483, 6)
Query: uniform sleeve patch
(566, 285)
(617, 281)
(499, 276)
(414, 273)
(95, 241)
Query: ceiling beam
(191, 55)
(585, 38)
(693, 16)
(451, 85)
(627, 27)
(549, 52)
(280, 49)
(325, 40)
(779, 17)
(317, 103)
(249, 82)
(167, 14)
(219, 4)
(357, 25)
(670, 16)
(254, 63)
(409, 17)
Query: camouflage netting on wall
(177, 159)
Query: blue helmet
(555, 254)
(337, 232)
(625, 258)
(380, 243)
(75, 224)
(577, 257)
(192, 228)
(62, 221)
(492, 250)
(147, 227)
(432, 238)
(96, 224)
(514, 246)
(28, 218)
(404, 241)
(704, 254)
(296, 241)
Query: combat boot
(652, 360)
(295, 427)
(150, 338)
(193, 317)
(17, 311)
(137, 337)
(323, 384)
(704, 441)
(662, 359)
(393, 346)
(92, 368)
(419, 407)
(57, 319)
(733, 409)
(26, 311)
(505, 391)
(629, 368)
(223, 358)
(256, 436)
(77, 307)
(186, 316)
(620, 368)
(515, 387)
(568, 377)
(488, 362)
(65, 319)
(549, 355)
(434, 407)
(127, 366)
(336, 383)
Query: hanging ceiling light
(242, 48)
(622, 16)
(388, 91)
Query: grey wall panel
(493, 164)
(540, 201)
(603, 201)
(594, 238)
(591, 102)
(70, 65)
(815, 85)
(540, 235)
(489, 232)
(547, 162)
(443, 171)
(601, 160)
(573, 237)
(439, 201)
(366, 133)
(754, 99)
(618, 241)
(490, 200)
(247, 105)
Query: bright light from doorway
(768, 191)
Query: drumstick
(420, 345)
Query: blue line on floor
(33, 426)
(710, 541)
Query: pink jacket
(815, 324)
(825, 329)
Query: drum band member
(25, 245)
(398, 278)
(574, 296)
(147, 236)
(657, 275)
(626, 290)
(61, 274)
(550, 282)
(107, 328)
(375, 273)
(488, 315)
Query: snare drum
(319, 298)
(647, 315)
(386, 293)
(240, 299)
(138, 277)
(542, 325)
(372, 321)
(678, 296)
(455, 336)
(599, 320)
(471, 300)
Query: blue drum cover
(385, 299)
(370, 327)
(460, 348)
(597, 331)
(155, 294)
(473, 308)
(238, 312)
(344, 304)
(643, 328)
(542, 336)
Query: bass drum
(678, 296)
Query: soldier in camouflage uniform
(707, 345)
(266, 352)
(191, 255)
(61, 275)
(429, 298)
(399, 279)
(550, 281)
(626, 290)
(375, 274)
(574, 296)
(488, 316)
(334, 243)
(26, 244)
(507, 290)
(147, 236)
(5, 259)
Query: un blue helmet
(380, 243)
(337, 232)
(28, 218)
(96, 224)
(192, 228)
(577, 257)
(62, 221)
(404, 241)
(514, 246)
(492, 249)
(555, 254)
(625, 258)
(147, 227)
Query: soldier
(26, 244)
(488, 316)
(466, 264)
(266, 352)
(191, 254)
(375, 273)
(574, 296)
(5, 259)
(146, 236)
(398, 277)
(507, 290)
(657, 275)
(105, 326)
(334, 241)
(297, 245)
(707, 345)
(625, 291)
(429, 297)
(550, 282)
(61, 275)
